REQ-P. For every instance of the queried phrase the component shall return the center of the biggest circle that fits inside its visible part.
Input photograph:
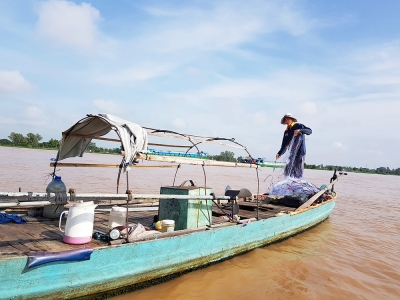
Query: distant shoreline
(379, 171)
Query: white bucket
(168, 226)
(79, 226)
(117, 217)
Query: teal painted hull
(114, 267)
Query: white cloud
(193, 71)
(309, 108)
(379, 58)
(226, 25)
(375, 152)
(188, 32)
(138, 73)
(7, 121)
(13, 82)
(337, 144)
(179, 123)
(373, 70)
(260, 118)
(284, 87)
(69, 24)
(104, 106)
(34, 113)
(34, 116)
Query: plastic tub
(117, 217)
(168, 226)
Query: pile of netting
(291, 186)
(290, 178)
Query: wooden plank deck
(43, 235)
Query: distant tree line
(32, 140)
(94, 149)
(224, 156)
(380, 170)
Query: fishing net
(290, 178)
(291, 186)
(294, 160)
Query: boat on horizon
(38, 262)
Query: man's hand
(277, 156)
(296, 132)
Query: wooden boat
(105, 268)
(262, 162)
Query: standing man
(294, 139)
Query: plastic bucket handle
(59, 223)
(183, 183)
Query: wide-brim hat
(288, 115)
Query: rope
(258, 191)
(173, 183)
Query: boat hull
(115, 267)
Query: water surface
(353, 255)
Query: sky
(212, 68)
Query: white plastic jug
(79, 226)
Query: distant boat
(201, 154)
(262, 162)
(36, 263)
(271, 164)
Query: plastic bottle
(56, 186)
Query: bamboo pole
(94, 137)
(196, 140)
(103, 196)
(99, 197)
(160, 158)
(193, 161)
(165, 145)
(33, 203)
(117, 140)
(107, 165)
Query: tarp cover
(76, 139)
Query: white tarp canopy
(76, 139)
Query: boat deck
(43, 235)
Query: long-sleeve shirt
(288, 135)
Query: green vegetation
(94, 149)
(224, 156)
(380, 170)
(32, 140)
